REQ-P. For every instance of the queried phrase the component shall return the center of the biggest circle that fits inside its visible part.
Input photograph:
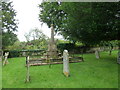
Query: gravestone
(97, 54)
(118, 59)
(5, 58)
(66, 71)
(52, 48)
(23, 53)
(28, 74)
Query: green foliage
(17, 45)
(89, 23)
(8, 38)
(12, 53)
(66, 46)
(72, 48)
(19, 53)
(36, 39)
(9, 24)
(51, 14)
(8, 17)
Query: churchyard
(92, 73)
(87, 55)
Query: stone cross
(66, 71)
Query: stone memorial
(5, 58)
(28, 74)
(97, 54)
(66, 71)
(52, 48)
(23, 53)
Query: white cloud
(27, 14)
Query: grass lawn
(92, 73)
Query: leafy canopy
(90, 22)
(9, 24)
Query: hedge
(72, 48)
(18, 53)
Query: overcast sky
(27, 14)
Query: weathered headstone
(66, 71)
(28, 74)
(23, 53)
(5, 58)
(118, 59)
(97, 54)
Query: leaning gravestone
(118, 59)
(66, 71)
(5, 59)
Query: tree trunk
(111, 47)
(110, 52)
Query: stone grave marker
(28, 74)
(66, 71)
(97, 54)
(5, 58)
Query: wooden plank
(36, 64)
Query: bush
(18, 53)
(72, 48)
(67, 46)
(13, 53)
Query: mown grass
(92, 73)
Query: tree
(8, 38)
(90, 22)
(36, 38)
(16, 46)
(9, 24)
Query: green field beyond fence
(92, 73)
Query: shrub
(72, 48)
(18, 53)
